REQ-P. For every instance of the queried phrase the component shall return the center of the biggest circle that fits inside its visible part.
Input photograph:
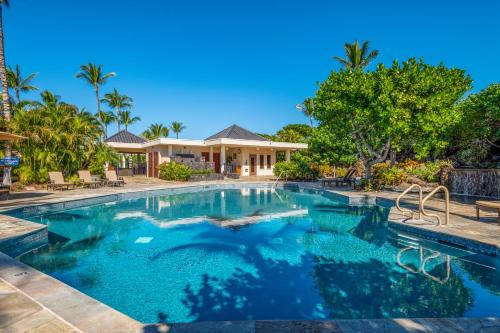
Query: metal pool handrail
(277, 179)
(406, 210)
(435, 278)
(408, 268)
(446, 205)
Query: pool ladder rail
(423, 260)
(421, 205)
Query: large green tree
(119, 103)
(19, 83)
(94, 76)
(408, 104)
(478, 132)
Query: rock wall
(475, 182)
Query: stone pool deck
(31, 301)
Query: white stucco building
(233, 150)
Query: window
(280, 156)
(269, 161)
(261, 161)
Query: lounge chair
(87, 181)
(347, 180)
(57, 181)
(488, 205)
(113, 180)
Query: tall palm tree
(94, 76)
(18, 83)
(118, 102)
(308, 109)
(5, 96)
(177, 127)
(106, 118)
(357, 57)
(127, 119)
(155, 131)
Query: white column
(169, 151)
(211, 156)
(222, 158)
(287, 155)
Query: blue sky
(212, 63)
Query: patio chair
(488, 205)
(87, 181)
(347, 180)
(56, 181)
(113, 180)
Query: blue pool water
(259, 254)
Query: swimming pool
(259, 253)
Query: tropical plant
(155, 131)
(409, 105)
(127, 119)
(174, 171)
(5, 96)
(18, 83)
(94, 76)
(102, 154)
(308, 109)
(59, 136)
(177, 127)
(357, 57)
(119, 103)
(106, 118)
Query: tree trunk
(118, 118)
(311, 120)
(393, 157)
(5, 102)
(368, 169)
(98, 101)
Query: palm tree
(94, 76)
(18, 83)
(308, 109)
(177, 127)
(155, 131)
(5, 96)
(106, 118)
(118, 102)
(356, 57)
(127, 119)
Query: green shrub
(202, 171)
(430, 171)
(175, 171)
(385, 175)
(294, 170)
(29, 176)
(96, 168)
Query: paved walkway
(31, 301)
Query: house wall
(239, 155)
(261, 170)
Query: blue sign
(9, 161)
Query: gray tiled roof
(236, 132)
(125, 137)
